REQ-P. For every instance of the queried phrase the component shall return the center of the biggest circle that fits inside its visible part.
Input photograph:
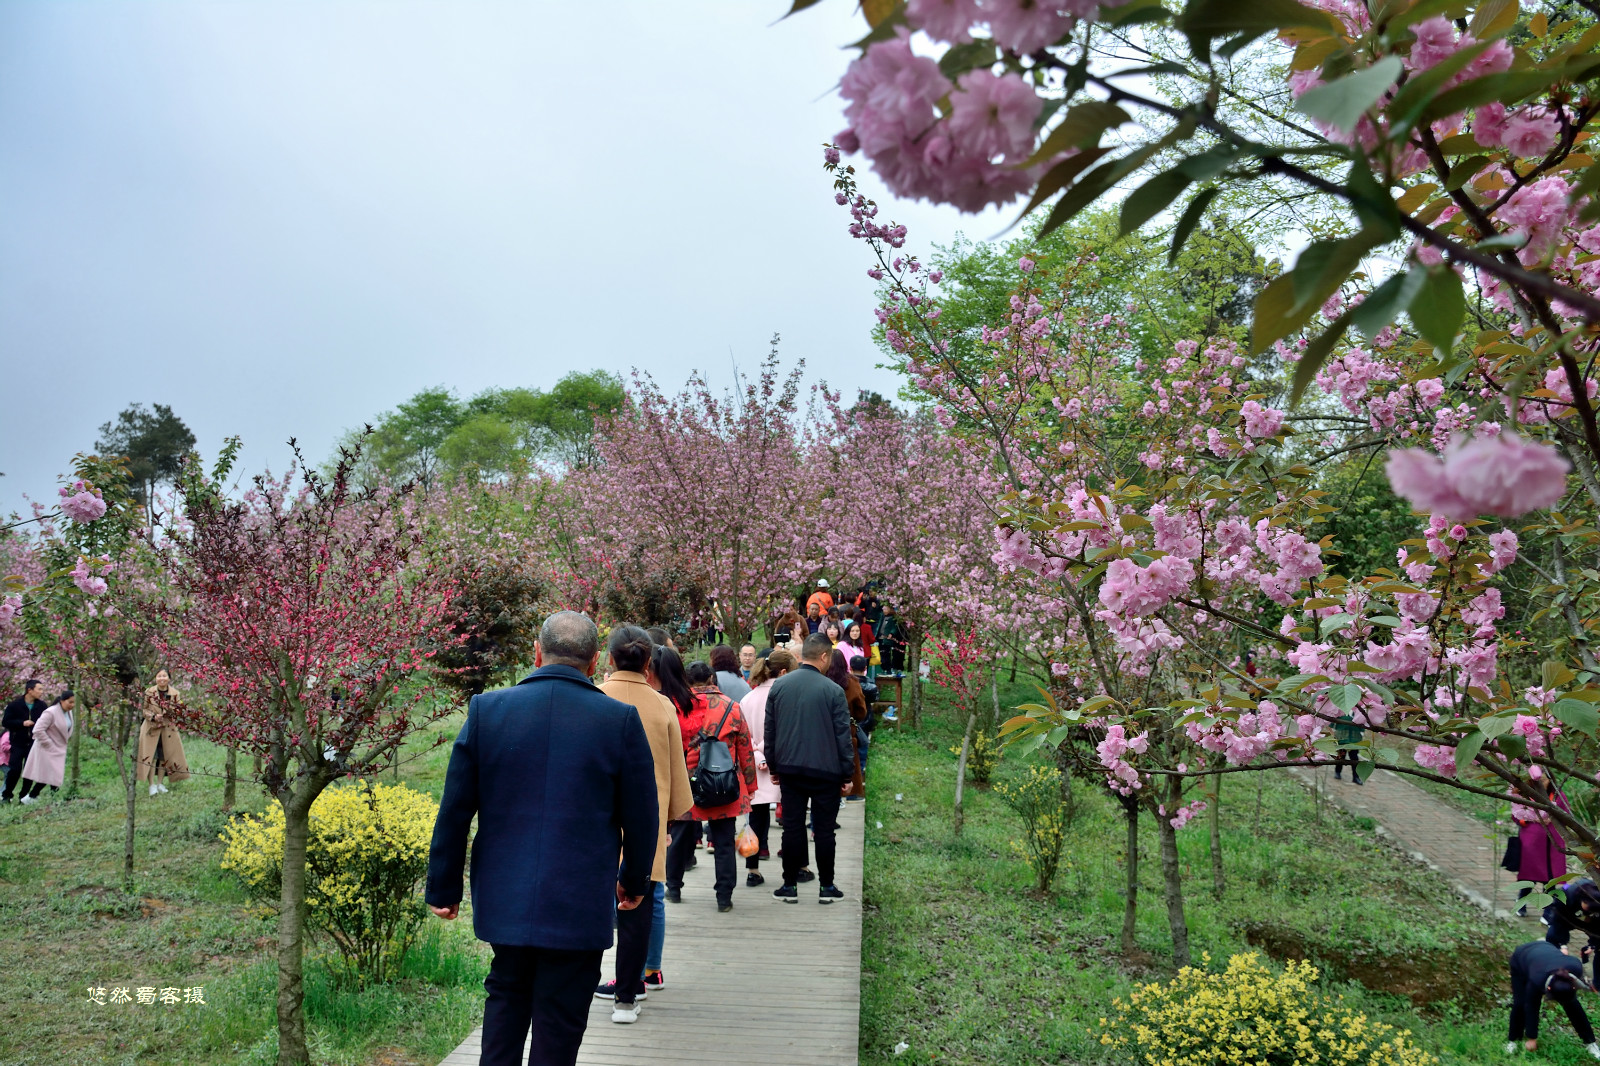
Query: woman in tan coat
(160, 747)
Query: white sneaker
(29, 799)
(626, 1013)
(1593, 1050)
(163, 788)
(154, 789)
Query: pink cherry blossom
(81, 503)
(1503, 475)
(1530, 132)
(992, 117)
(944, 20)
(1261, 421)
(1025, 26)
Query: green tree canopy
(154, 442)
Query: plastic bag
(746, 843)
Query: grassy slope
(965, 966)
(64, 926)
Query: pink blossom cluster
(86, 579)
(1241, 740)
(1503, 475)
(82, 502)
(1121, 775)
(1185, 814)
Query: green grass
(962, 963)
(65, 925)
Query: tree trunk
(1172, 874)
(292, 1050)
(1218, 883)
(961, 768)
(230, 779)
(914, 672)
(1130, 896)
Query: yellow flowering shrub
(1036, 797)
(367, 851)
(1247, 1015)
(982, 755)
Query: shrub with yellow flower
(367, 851)
(1247, 1015)
(1036, 797)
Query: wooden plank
(788, 972)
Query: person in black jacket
(1539, 970)
(1580, 909)
(561, 778)
(808, 750)
(20, 714)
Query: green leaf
(1462, 172)
(960, 58)
(1493, 727)
(1336, 621)
(1059, 176)
(800, 5)
(1386, 301)
(1384, 620)
(1150, 199)
(1438, 310)
(1189, 220)
(1578, 714)
(1316, 353)
(1537, 900)
(1345, 697)
(1080, 127)
(1134, 12)
(1202, 21)
(1507, 86)
(1341, 103)
(1364, 769)
(1290, 685)
(1391, 756)
(1468, 750)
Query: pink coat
(47, 762)
(754, 707)
(1544, 850)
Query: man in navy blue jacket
(561, 779)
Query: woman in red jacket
(713, 715)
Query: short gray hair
(570, 638)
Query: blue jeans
(658, 927)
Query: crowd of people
(592, 801)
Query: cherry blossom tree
(714, 484)
(313, 617)
(1174, 507)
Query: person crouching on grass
(1540, 971)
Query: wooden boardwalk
(768, 982)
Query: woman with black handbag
(714, 720)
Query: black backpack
(715, 782)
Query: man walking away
(808, 748)
(641, 932)
(561, 778)
(1539, 970)
(20, 714)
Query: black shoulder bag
(715, 782)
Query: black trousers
(633, 944)
(546, 988)
(21, 744)
(1525, 1014)
(682, 836)
(894, 658)
(823, 798)
(760, 823)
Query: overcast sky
(282, 218)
